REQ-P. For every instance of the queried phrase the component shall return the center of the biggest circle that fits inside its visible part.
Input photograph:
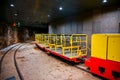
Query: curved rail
(16, 65)
(5, 55)
(15, 62)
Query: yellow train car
(105, 56)
(71, 47)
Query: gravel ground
(36, 65)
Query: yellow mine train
(105, 51)
(70, 47)
(105, 56)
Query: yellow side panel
(114, 48)
(99, 46)
(37, 37)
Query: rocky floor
(34, 64)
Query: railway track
(79, 66)
(14, 49)
(11, 52)
(86, 69)
(82, 67)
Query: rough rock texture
(12, 36)
(8, 36)
(2, 42)
(2, 36)
(26, 35)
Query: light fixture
(15, 14)
(48, 15)
(60, 8)
(12, 5)
(104, 1)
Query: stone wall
(8, 35)
(103, 20)
(2, 35)
(23, 34)
(11, 35)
